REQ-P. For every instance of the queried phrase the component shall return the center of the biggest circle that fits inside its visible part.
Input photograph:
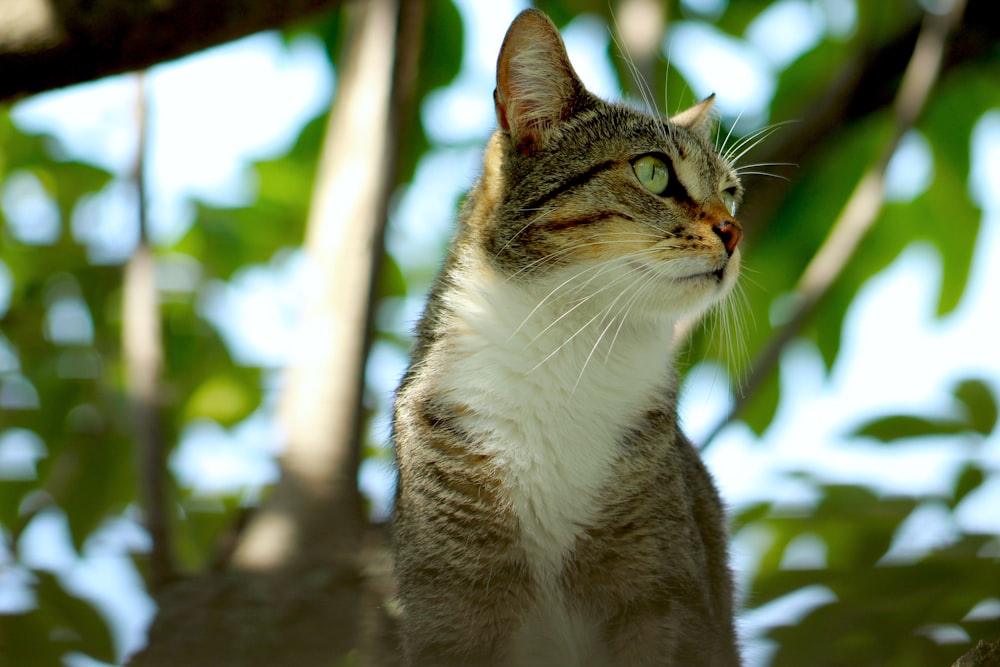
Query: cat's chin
(718, 275)
(690, 294)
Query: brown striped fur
(558, 216)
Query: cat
(549, 511)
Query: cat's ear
(698, 118)
(536, 85)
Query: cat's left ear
(698, 118)
(536, 85)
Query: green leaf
(980, 417)
(25, 641)
(200, 535)
(980, 405)
(899, 427)
(60, 624)
(91, 480)
(392, 282)
(76, 614)
(221, 398)
(763, 404)
(441, 57)
(970, 479)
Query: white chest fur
(552, 421)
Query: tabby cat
(549, 511)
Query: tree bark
(981, 655)
(46, 44)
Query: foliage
(882, 603)
(62, 387)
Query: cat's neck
(549, 394)
(545, 337)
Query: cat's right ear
(536, 85)
(698, 118)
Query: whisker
(644, 90)
(766, 164)
(751, 141)
(763, 173)
(601, 268)
(722, 149)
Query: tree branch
(864, 205)
(981, 655)
(47, 44)
(143, 356)
(864, 84)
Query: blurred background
(209, 273)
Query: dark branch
(47, 44)
(863, 85)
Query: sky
(213, 114)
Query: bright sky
(213, 114)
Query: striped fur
(549, 511)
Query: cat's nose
(730, 232)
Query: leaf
(970, 479)
(91, 480)
(392, 282)
(980, 405)
(221, 398)
(441, 57)
(60, 624)
(763, 404)
(92, 634)
(25, 641)
(198, 538)
(899, 427)
(980, 417)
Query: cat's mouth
(717, 275)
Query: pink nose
(730, 232)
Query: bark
(981, 655)
(47, 44)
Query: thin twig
(143, 355)
(862, 208)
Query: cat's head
(595, 199)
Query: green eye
(652, 173)
(729, 199)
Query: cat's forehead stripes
(570, 183)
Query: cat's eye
(652, 173)
(728, 197)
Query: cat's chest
(550, 404)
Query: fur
(549, 510)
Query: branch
(47, 44)
(981, 655)
(864, 84)
(315, 508)
(142, 346)
(864, 205)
